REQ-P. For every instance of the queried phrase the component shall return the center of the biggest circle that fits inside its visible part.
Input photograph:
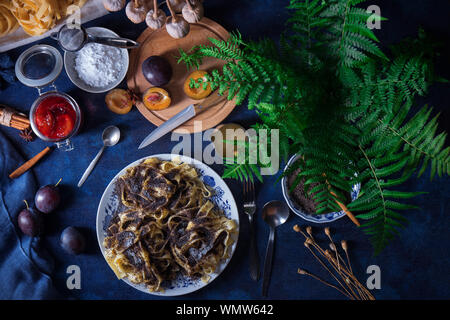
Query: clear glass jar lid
(39, 66)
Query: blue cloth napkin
(7, 74)
(24, 265)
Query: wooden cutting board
(160, 43)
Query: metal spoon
(74, 38)
(274, 213)
(110, 136)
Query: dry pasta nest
(35, 16)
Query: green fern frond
(246, 73)
(242, 172)
(350, 39)
(340, 103)
(415, 142)
(377, 205)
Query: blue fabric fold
(7, 74)
(25, 266)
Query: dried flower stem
(352, 289)
(345, 248)
(347, 273)
(172, 13)
(332, 246)
(155, 9)
(326, 268)
(339, 271)
(304, 272)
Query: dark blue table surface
(414, 266)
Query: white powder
(99, 65)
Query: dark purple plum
(157, 70)
(30, 222)
(72, 241)
(47, 198)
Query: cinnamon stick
(19, 125)
(29, 164)
(21, 118)
(17, 120)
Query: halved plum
(197, 93)
(45, 122)
(156, 99)
(64, 125)
(119, 101)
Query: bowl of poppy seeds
(303, 204)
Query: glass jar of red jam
(54, 116)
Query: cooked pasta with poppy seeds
(166, 226)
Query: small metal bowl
(316, 218)
(69, 64)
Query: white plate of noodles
(167, 225)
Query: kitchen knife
(180, 118)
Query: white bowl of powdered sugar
(97, 68)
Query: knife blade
(181, 117)
(173, 123)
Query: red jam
(55, 117)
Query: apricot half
(156, 98)
(200, 92)
(119, 101)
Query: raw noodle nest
(35, 16)
(8, 22)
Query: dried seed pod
(333, 246)
(114, 5)
(309, 230)
(156, 18)
(297, 228)
(136, 11)
(344, 245)
(176, 26)
(177, 5)
(327, 231)
(300, 271)
(193, 13)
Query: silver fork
(250, 209)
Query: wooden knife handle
(212, 100)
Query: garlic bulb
(193, 13)
(136, 11)
(177, 27)
(177, 5)
(114, 5)
(155, 18)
